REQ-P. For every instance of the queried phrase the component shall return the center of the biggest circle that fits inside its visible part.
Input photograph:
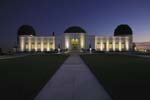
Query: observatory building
(75, 38)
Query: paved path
(13, 56)
(73, 81)
(145, 56)
(9, 57)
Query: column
(82, 40)
(29, 43)
(127, 44)
(22, 43)
(48, 43)
(66, 42)
(35, 43)
(120, 48)
(101, 44)
(107, 44)
(114, 42)
(41, 44)
(53, 42)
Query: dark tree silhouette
(0, 50)
(123, 30)
(53, 34)
(25, 30)
(133, 46)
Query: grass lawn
(22, 78)
(124, 77)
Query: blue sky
(95, 16)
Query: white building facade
(74, 38)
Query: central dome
(74, 29)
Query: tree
(134, 46)
(53, 34)
(0, 50)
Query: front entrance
(75, 43)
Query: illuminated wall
(72, 39)
(22, 44)
(99, 43)
(118, 43)
(67, 42)
(82, 40)
(35, 43)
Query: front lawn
(124, 77)
(22, 78)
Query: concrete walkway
(11, 57)
(73, 81)
(144, 56)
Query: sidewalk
(73, 81)
(13, 56)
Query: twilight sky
(99, 17)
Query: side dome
(74, 29)
(26, 30)
(123, 30)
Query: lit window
(32, 46)
(51, 43)
(38, 46)
(110, 46)
(122, 46)
(26, 46)
(117, 46)
(45, 46)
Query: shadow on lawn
(22, 78)
(124, 77)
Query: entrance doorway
(75, 43)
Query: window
(38, 46)
(123, 46)
(26, 46)
(117, 46)
(45, 46)
(110, 46)
(26, 43)
(51, 43)
(33, 46)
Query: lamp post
(90, 48)
(58, 49)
